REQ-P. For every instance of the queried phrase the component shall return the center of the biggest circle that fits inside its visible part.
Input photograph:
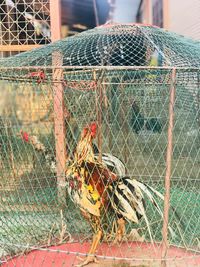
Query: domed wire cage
(141, 84)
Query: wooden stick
(55, 15)
(99, 119)
(18, 48)
(59, 126)
(165, 242)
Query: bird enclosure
(141, 87)
(24, 25)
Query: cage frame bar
(59, 126)
(55, 20)
(25, 47)
(18, 48)
(98, 68)
(165, 242)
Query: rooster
(138, 122)
(87, 180)
(39, 147)
(95, 189)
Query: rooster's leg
(120, 230)
(91, 257)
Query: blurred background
(25, 24)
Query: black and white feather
(113, 163)
(126, 196)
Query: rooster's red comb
(25, 136)
(93, 128)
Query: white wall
(184, 17)
(125, 11)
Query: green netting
(116, 45)
(135, 118)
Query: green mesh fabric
(115, 45)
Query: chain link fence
(133, 115)
(24, 25)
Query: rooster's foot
(88, 260)
(120, 231)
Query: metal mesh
(131, 108)
(29, 201)
(118, 45)
(24, 25)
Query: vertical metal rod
(58, 101)
(99, 118)
(95, 13)
(168, 169)
(198, 103)
(166, 14)
(99, 100)
(55, 18)
(109, 119)
(148, 11)
(7, 38)
(106, 105)
(59, 125)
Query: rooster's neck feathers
(84, 150)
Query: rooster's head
(91, 130)
(25, 136)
